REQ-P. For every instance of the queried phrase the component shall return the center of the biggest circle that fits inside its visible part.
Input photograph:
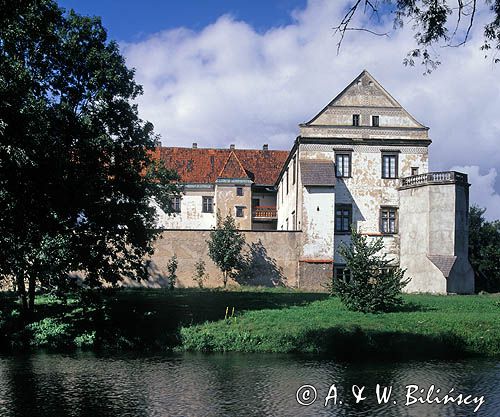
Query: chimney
(265, 147)
(231, 146)
(195, 145)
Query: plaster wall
(226, 202)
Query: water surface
(85, 384)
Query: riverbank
(264, 320)
(427, 327)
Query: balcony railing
(446, 177)
(264, 212)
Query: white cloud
(482, 192)
(229, 83)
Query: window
(208, 205)
(239, 211)
(294, 168)
(293, 220)
(414, 171)
(286, 223)
(375, 121)
(355, 119)
(389, 166)
(388, 220)
(239, 191)
(176, 204)
(343, 218)
(343, 165)
(341, 272)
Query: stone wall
(272, 258)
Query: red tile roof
(204, 166)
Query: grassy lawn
(134, 319)
(277, 320)
(429, 326)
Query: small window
(239, 191)
(375, 121)
(208, 205)
(388, 220)
(389, 166)
(341, 272)
(343, 165)
(239, 211)
(414, 171)
(343, 218)
(355, 119)
(176, 205)
(293, 220)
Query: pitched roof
(204, 166)
(317, 172)
(233, 168)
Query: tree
(225, 245)
(484, 250)
(371, 283)
(435, 23)
(77, 173)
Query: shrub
(172, 271)
(200, 273)
(50, 333)
(372, 283)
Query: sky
(248, 72)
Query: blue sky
(220, 72)
(128, 20)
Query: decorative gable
(233, 168)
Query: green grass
(266, 320)
(429, 326)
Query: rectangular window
(389, 220)
(343, 165)
(294, 168)
(176, 205)
(293, 220)
(239, 191)
(355, 119)
(343, 218)
(389, 166)
(341, 272)
(375, 121)
(207, 205)
(414, 171)
(239, 211)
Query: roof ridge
(232, 154)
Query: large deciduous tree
(77, 174)
(484, 250)
(441, 23)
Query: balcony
(265, 212)
(446, 177)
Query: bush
(50, 333)
(172, 271)
(372, 283)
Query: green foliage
(225, 246)
(172, 271)
(200, 273)
(85, 340)
(484, 250)
(429, 327)
(374, 284)
(50, 333)
(77, 174)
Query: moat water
(85, 384)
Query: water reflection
(229, 385)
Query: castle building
(362, 161)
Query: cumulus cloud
(229, 83)
(482, 192)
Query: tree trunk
(31, 296)
(225, 278)
(21, 292)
